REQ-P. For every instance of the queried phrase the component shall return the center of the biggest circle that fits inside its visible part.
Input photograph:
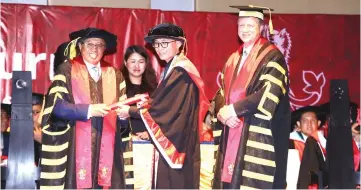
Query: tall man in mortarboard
(256, 111)
(81, 146)
(177, 109)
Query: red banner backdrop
(317, 48)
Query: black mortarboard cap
(165, 30)
(296, 115)
(37, 99)
(255, 11)
(109, 38)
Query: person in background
(310, 143)
(59, 56)
(308, 119)
(5, 125)
(37, 101)
(355, 129)
(5, 135)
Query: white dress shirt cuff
(232, 111)
(89, 111)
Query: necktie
(95, 73)
(245, 54)
(243, 59)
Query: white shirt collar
(248, 49)
(90, 66)
(304, 136)
(170, 66)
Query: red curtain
(318, 48)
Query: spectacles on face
(162, 44)
(97, 46)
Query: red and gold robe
(259, 94)
(78, 152)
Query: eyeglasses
(163, 44)
(91, 45)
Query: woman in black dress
(140, 78)
(139, 151)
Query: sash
(235, 90)
(81, 94)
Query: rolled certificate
(130, 101)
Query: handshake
(122, 107)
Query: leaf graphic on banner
(314, 83)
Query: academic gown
(61, 117)
(175, 124)
(265, 111)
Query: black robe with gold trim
(262, 154)
(175, 124)
(58, 148)
(175, 107)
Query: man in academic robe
(175, 117)
(5, 125)
(256, 111)
(5, 136)
(310, 143)
(355, 129)
(308, 122)
(37, 101)
(81, 136)
(59, 56)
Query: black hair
(149, 79)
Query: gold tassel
(270, 24)
(70, 49)
(184, 49)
